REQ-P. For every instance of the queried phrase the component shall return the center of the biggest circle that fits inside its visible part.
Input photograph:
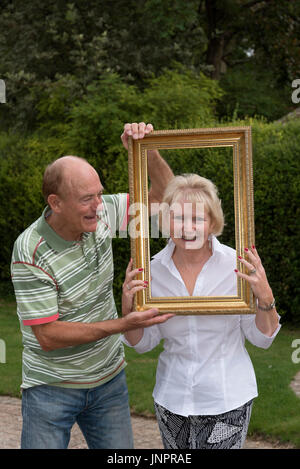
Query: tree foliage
(43, 44)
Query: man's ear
(54, 203)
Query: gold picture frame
(238, 139)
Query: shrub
(276, 160)
(22, 162)
(92, 130)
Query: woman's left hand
(130, 287)
(256, 276)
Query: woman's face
(190, 224)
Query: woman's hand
(136, 321)
(256, 277)
(266, 319)
(130, 287)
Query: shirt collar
(55, 241)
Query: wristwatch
(267, 308)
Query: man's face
(80, 202)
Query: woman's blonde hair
(194, 188)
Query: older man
(62, 270)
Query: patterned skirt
(223, 431)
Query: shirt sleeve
(36, 294)
(115, 213)
(151, 338)
(254, 335)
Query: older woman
(205, 381)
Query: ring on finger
(128, 287)
(252, 271)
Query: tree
(266, 31)
(45, 45)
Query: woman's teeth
(189, 238)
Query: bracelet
(268, 308)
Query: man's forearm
(160, 174)
(61, 334)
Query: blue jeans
(102, 414)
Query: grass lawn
(10, 371)
(276, 411)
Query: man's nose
(96, 202)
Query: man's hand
(142, 319)
(135, 131)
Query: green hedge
(175, 100)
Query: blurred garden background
(76, 71)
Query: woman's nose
(189, 225)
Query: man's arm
(60, 334)
(160, 174)
(159, 171)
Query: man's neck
(60, 228)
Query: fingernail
(253, 247)
(240, 257)
(141, 270)
(246, 249)
(235, 270)
(145, 281)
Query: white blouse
(204, 368)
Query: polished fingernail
(141, 270)
(253, 247)
(145, 281)
(246, 249)
(240, 257)
(235, 270)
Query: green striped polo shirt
(55, 279)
